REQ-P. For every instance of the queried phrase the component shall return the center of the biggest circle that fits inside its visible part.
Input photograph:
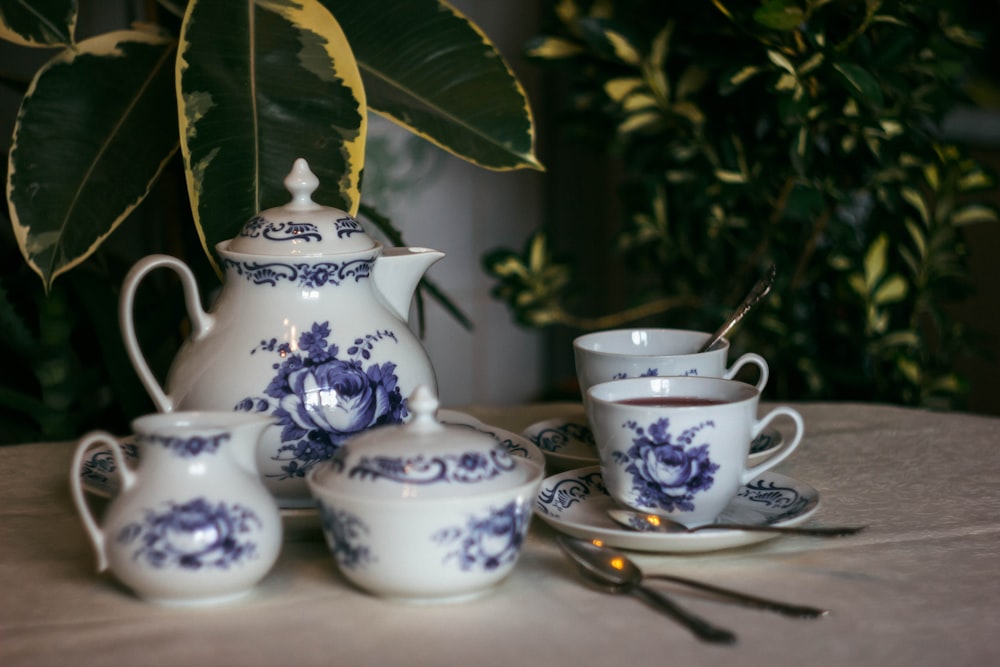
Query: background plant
(184, 124)
(800, 132)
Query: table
(920, 587)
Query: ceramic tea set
(303, 389)
(305, 349)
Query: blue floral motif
(347, 226)
(194, 535)
(344, 532)
(667, 472)
(487, 542)
(652, 373)
(99, 466)
(280, 231)
(320, 399)
(312, 275)
(772, 496)
(555, 438)
(185, 448)
(567, 492)
(466, 468)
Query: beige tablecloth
(920, 587)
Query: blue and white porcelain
(310, 328)
(678, 446)
(617, 354)
(567, 441)
(425, 511)
(576, 502)
(193, 524)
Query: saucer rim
(702, 541)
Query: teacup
(628, 353)
(678, 446)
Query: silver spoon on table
(653, 523)
(610, 566)
(756, 293)
(617, 574)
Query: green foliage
(202, 108)
(802, 133)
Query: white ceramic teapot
(309, 328)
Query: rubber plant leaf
(94, 131)
(261, 83)
(431, 70)
(42, 23)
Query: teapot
(309, 328)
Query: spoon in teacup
(756, 293)
(653, 523)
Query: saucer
(575, 502)
(568, 442)
(99, 473)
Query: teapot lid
(301, 227)
(422, 459)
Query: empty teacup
(678, 446)
(628, 353)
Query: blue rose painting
(667, 472)
(320, 398)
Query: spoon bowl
(615, 573)
(654, 523)
(612, 571)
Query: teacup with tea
(678, 446)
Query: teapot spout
(397, 273)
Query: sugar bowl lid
(301, 227)
(422, 459)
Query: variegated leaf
(94, 131)
(260, 84)
(44, 23)
(429, 69)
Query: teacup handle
(201, 322)
(125, 474)
(750, 358)
(783, 451)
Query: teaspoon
(756, 293)
(654, 523)
(615, 567)
(618, 574)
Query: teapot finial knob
(424, 405)
(301, 183)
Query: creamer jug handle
(201, 322)
(125, 475)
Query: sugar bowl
(425, 511)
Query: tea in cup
(678, 446)
(628, 353)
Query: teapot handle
(201, 322)
(125, 474)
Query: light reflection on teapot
(310, 327)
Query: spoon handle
(756, 293)
(798, 611)
(815, 531)
(696, 624)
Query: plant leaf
(43, 23)
(429, 69)
(861, 83)
(259, 84)
(74, 169)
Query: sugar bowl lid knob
(301, 182)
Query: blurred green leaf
(40, 23)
